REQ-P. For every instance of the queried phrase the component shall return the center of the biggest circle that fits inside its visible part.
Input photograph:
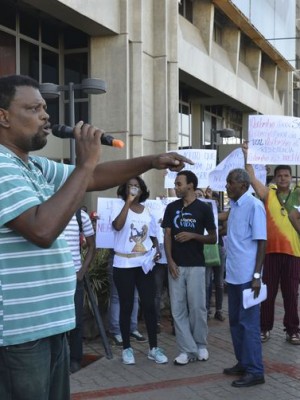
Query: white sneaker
(183, 359)
(127, 356)
(203, 354)
(156, 354)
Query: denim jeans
(245, 330)
(75, 335)
(160, 277)
(37, 370)
(188, 305)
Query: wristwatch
(256, 275)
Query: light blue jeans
(188, 305)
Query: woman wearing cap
(135, 237)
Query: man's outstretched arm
(260, 189)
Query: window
(220, 21)
(48, 50)
(29, 59)
(7, 54)
(185, 8)
(184, 125)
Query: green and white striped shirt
(36, 284)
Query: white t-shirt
(134, 237)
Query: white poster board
(104, 231)
(217, 178)
(205, 162)
(274, 140)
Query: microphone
(66, 132)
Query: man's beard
(38, 142)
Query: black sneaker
(219, 316)
(138, 336)
(117, 340)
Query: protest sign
(217, 178)
(274, 139)
(104, 232)
(205, 161)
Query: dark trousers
(126, 280)
(75, 335)
(281, 269)
(37, 370)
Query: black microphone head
(62, 131)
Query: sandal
(293, 338)
(264, 336)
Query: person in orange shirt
(282, 261)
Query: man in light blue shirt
(246, 241)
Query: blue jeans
(37, 370)
(188, 305)
(114, 308)
(160, 272)
(75, 335)
(245, 330)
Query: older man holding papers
(246, 241)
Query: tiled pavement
(111, 380)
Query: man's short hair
(8, 85)
(190, 177)
(279, 167)
(240, 175)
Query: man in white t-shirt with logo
(72, 233)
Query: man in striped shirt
(38, 197)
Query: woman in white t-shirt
(136, 250)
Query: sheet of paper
(248, 296)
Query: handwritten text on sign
(217, 178)
(274, 139)
(205, 161)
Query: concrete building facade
(176, 71)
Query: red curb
(286, 369)
(146, 387)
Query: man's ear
(4, 118)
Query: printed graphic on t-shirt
(138, 237)
(184, 219)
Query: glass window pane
(8, 16)
(50, 34)
(7, 54)
(49, 66)
(29, 25)
(75, 39)
(29, 59)
(76, 69)
(185, 141)
(53, 110)
(81, 112)
(185, 124)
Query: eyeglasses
(283, 211)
